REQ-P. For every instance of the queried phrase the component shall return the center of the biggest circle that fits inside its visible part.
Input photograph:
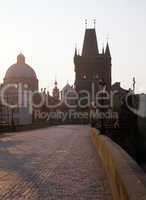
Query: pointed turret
(56, 91)
(75, 52)
(107, 51)
(75, 55)
(90, 47)
(103, 50)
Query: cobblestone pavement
(51, 164)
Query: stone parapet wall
(126, 179)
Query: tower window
(95, 76)
(84, 76)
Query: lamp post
(102, 85)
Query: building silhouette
(25, 79)
(56, 93)
(92, 66)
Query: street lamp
(102, 85)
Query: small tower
(56, 91)
(107, 51)
(75, 52)
(103, 50)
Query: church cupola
(20, 59)
(21, 72)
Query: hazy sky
(46, 32)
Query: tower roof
(90, 47)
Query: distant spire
(86, 23)
(55, 83)
(103, 49)
(75, 50)
(134, 82)
(94, 23)
(107, 51)
(56, 91)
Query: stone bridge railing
(126, 179)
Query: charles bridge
(67, 162)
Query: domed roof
(20, 69)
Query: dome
(20, 69)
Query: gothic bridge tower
(92, 66)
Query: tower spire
(56, 91)
(86, 23)
(55, 83)
(75, 50)
(134, 82)
(94, 23)
(103, 49)
(107, 51)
